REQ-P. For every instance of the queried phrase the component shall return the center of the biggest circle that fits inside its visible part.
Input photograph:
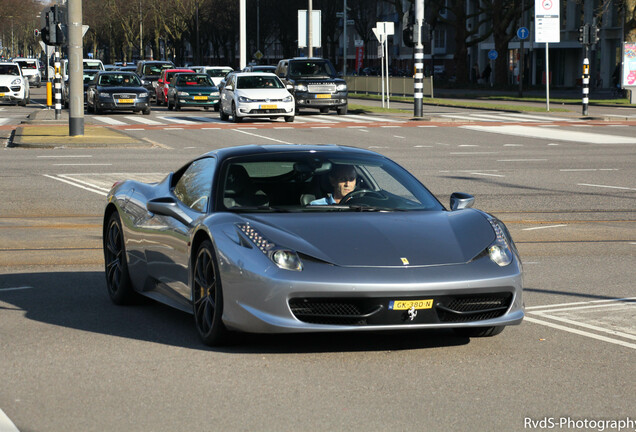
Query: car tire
(235, 118)
(289, 119)
(177, 107)
(207, 296)
(324, 110)
(118, 281)
(169, 105)
(146, 111)
(479, 331)
(23, 102)
(216, 107)
(342, 110)
(223, 116)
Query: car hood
(6, 80)
(380, 239)
(271, 93)
(135, 89)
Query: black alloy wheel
(117, 277)
(235, 118)
(207, 296)
(222, 115)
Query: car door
(168, 237)
(227, 95)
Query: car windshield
(307, 182)
(194, 80)
(26, 64)
(89, 75)
(311, 68)
(119, 80)
(9, 70)
(216, 73)
(258, 82)
(155, 68)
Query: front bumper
(12, 94)
(320, 100)
(138, 104)
(326, 298)
(262, 109)
(191, 101)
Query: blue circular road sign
(492, 55)
(523, 33)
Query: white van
(30, 70)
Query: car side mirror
(167, 206)
(461, 200)
(289, 87)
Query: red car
(161, 90)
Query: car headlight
(288, 99)
(244, 99)
(214, 94)
(300, 87)
(182, 93)
(283, 258)
(502, 250)
(143, 95)
(341, 87)
(16, 81)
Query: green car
(192, 90)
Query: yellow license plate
(408, 304)
(125, 101)
(323, 96)
(1, 94)
(200, 98)
(269, 106)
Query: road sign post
(522, 34)
(547, 30)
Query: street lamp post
(141, 34)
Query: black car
(149, 71)
(117, 91)
(89, 74)
(314, 84)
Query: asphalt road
(72, 361)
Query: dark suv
(149, 72)
(315, 84)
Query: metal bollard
(58, 86)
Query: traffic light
(584, 34)
(594, 35)
(54, 31)
(48, 32)
(408, 27)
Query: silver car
(287, 239)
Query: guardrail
(398, 86)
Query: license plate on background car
(408, 304)
(323, 96)
(125, 101)
(269, 106)
(1, 94)
(200, 98)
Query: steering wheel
(358, 192)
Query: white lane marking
(356, 127)
(397, 136)
(143, 120)
(313, 119)
(469, 145)
(543, 227)
(574, 305)
(587, 169)
(260, 136)
(580, 332)
(337, 119)
(207, 119)
(374, 119)
(513, 145)
(536, 117)
(427, 126)
(6, 425)
(15, 289)
(423, 146)
(207, 128)
(65, 156)
(605, 186)
(179, 120)
(486, 174)
(561, 135)
(86, 164)
(76, 185)
(389, 127)
(501, 117)
(108, 120)
(472, 153)
(521, 160)
(320, 127)
(3, 120)
(135, 129)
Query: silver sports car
(275, 239)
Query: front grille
(16, 88)
(267, 111)
(124, 95)
(4, 89)
(321, 88)
(473, 307)
(331, 311)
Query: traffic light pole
(418, 54)
(76, 66)
(58, 84)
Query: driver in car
(343, 179)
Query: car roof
(255, 149)
(257, 73)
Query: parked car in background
(14, 87)
(117, 91)
(161, 90)
(256, 94)
(217, 73)
(149, 72)
(314, 83)
(30, 70)
(192, 90)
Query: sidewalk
(51, 133)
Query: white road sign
(547, 21)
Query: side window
(194, 188)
